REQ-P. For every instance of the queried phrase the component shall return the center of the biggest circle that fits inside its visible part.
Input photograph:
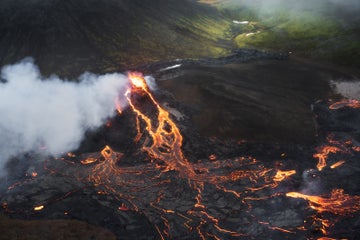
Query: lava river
(237, 197)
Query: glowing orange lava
(166, 137)
(138, 81)
(352, 103)
(88, 161)
(337, 164)
(106, 152)
(166, 145)
(221, 197)
(356, 148)
(39, 208)
(338, 203)
(281, 175)
(322, 155)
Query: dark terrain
(248, 111)
(70, 37)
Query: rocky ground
(51, 229)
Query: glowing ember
(106, 152)
(88, 161)
(356, 148)
(39, 208)
(212, 157)
(281, 175)
(337, 164)
(123, 207)
(118, 108)
(352, 103)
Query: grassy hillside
(70, 36)
(324, 31)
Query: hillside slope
(323, 30)
(70, 36)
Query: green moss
(307, 34)
(257, 39)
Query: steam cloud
(265, 7)
(36, 112)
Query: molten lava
(39, 208)
(166, 137)
(337, 164)
(338, 203)
(322, 155)
(88, 161)
(214, 197)
(281, 175)
(352, 103)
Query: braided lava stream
(210, 199)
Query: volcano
(152, 185)
(207, 141)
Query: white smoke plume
(150, 81)
(49, 113)
(266, 8)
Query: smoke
(150, 81)
(51, 114)
(308, 4)
(311, 182)
(348, 89)
(265, 8)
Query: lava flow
(338, 203)
(163, 142)
(166, 137)
(217, 197)
(352, 103)
(332, 148)
(322, 155)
